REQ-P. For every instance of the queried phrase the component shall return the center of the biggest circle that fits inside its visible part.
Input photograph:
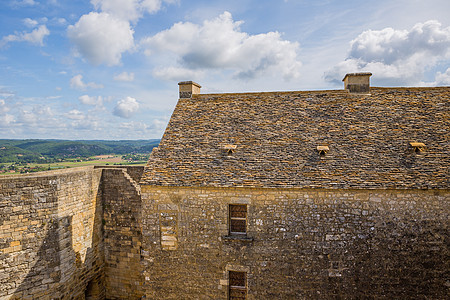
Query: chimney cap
(189, 83)
(357, 74)
(188, 88)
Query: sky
(109, 69)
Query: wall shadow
(60, 272)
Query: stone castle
(339, 194)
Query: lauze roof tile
(275, 138)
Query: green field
(51, 151)
(32, 155)
(34, 167)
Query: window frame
(232, 218)
(238, 288)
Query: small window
(322, 150)
(237, 285)
(230, 149)
(238, 218)
(418, 147)
(335, 269)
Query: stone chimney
(358, 83)
(188, 88)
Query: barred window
(237, 285)
(238, 218)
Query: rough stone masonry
(340, 195)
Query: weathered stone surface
(276, 136)
(122, 234)
(95, 233)
(50, 234)
(366, 216)
(303, 243)
(71, 234)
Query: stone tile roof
(276, 137)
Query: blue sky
(108, 69)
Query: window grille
(238, 218)
(237, 285)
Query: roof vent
(323, 150)
(230, 149)
(188, 88)
(417, 147)
(358, 83)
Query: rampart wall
(94, 233)
(70, 234)
(301, 244)
(122, 233)
(50, 235)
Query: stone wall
(71, 234)
(122, 233)
(301, 244)
(50, 235)
(135, 172)
(91, 233)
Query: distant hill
(48, 150)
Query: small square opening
(417, 147)
(230, 149)
(323, 150)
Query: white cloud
(6, 119)
(82, 121)
(159, 124)
(53, 97)
(59, 21)
(124, 76)
(140, 129)
(178, 73)
(134, 126)
(28, 117)
(400, 56)
(220, 44)
(101, 38)
(35, 37)
(86, 124)
(30, 22)
(125, 108)
(76, 82)
(88, 100)
(37, 117)
(75, 115)
(3, 107)
(443, 78)
(129, 10)
(24, 3)
(6, 93)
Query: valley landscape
(34, 155)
